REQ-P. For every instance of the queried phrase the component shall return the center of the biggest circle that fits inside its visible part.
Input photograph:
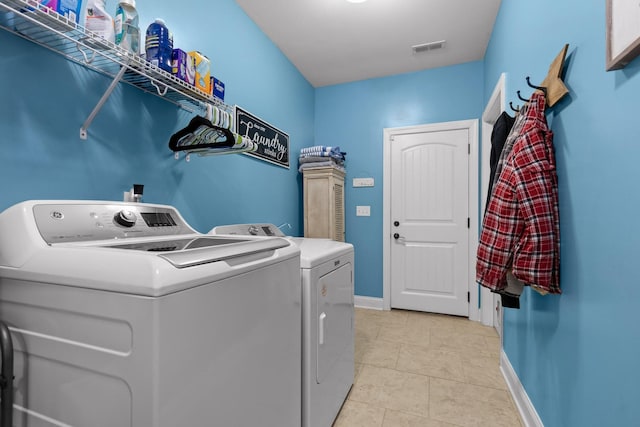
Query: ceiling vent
(425, 47)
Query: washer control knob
(125, 218)
(253, 230)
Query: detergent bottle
(159, 45)
(98, 21)
(126, 26)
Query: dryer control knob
(253, 230)
(125, 218)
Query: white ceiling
(334, 41)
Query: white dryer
(123, 315)
(326, 269)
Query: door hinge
(468, 148)
(469, 297)
(468, 222)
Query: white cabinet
(323, 191)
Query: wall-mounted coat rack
(552, 86)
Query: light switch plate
(363, 210)
(363, 182)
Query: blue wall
(46, 99)
(577, 354)
(353, 116)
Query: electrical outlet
(363, 210)
(363, 182)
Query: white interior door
(429, 253)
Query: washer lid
(205, 255)
(314, 251)
(187, 252)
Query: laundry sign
(273, 144)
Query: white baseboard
(528, 413)
(368, 302)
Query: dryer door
(335, 320)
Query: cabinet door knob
(396, 223)
(396, 236)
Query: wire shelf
(34, 22)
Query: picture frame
(622, 33)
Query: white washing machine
(122, 315)
(326, 269)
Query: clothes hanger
(516, 109)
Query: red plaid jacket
(521, 227)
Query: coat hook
(521, 98)
(542, 88)
(517, 110)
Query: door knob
(396, 236)
(396, 223)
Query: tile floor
(429, 370)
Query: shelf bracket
(187, 156)
(98, 107)
(162, 92)
(87, 60)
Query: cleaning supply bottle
(98, 21)
(159, 45)
(126, 26)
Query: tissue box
(203, 71)
(182, 66)
(218, 88)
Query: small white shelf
(30, 20)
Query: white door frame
(495, 106)
(472, 127)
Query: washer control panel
(66, 223)
(125, 218)
(265, 229)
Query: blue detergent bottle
(159, 45)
